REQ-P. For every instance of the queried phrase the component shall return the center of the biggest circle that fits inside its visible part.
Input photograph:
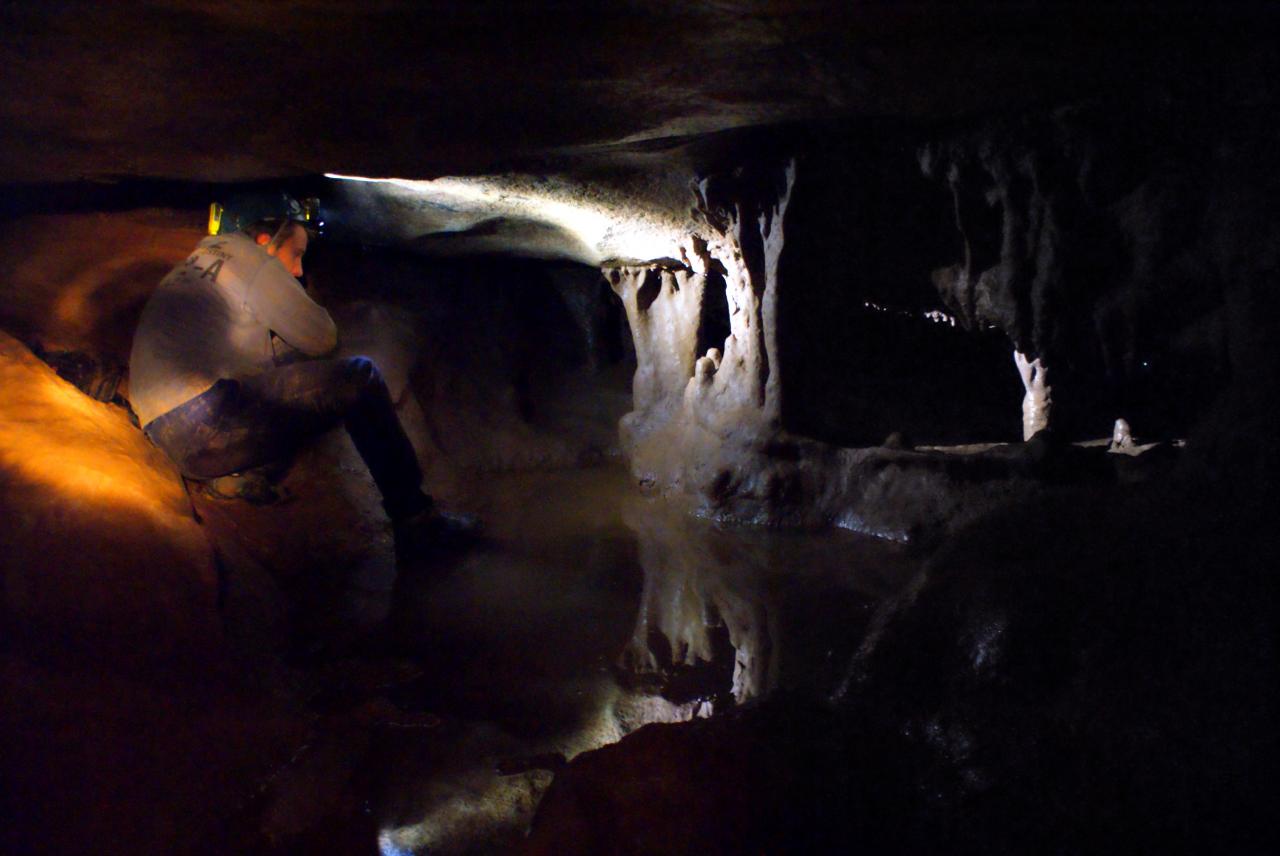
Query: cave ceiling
(230, 91)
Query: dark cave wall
(858, 358)
(514, 363)
(1105, 238)
(1129, 243)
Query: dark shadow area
(859, 360)
(713, 326)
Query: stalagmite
(1121, 436)
(1037, 401)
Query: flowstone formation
(706, 427)
(692, 394)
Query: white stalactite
(686, 401)
(772, 233)
(747, 376)
(1037, 401)
(663, 307)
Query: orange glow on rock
(78, 281)
(54, 435)
(98, 545)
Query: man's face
(290, 251)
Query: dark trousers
(239, 424)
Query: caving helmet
(242, 209)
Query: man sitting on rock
(209, 389)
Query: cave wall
(1104, 239)
(505, 363)
(77, 281)
(130, 718)
(859, 359)
(1130, 244)
(155, 640)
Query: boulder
(125, 729)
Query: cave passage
(872, 430)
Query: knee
(363, 374)
(362, 370)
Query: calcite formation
(691, 590)
(691, 394)
(1121, 436)
(1036, 402)
(706, 425)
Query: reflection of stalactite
(692, 587)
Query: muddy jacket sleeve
(279, 301)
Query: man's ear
(263, 239)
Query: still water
(588, 612)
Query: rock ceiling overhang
(225, 91)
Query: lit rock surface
(123, 717)
(627, 213)
(100, 543)
(78, 281)
(733, 392)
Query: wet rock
(101, 547)
(317, 802)
(127, 727)
(733, 792)
(1085, 671)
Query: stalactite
(685, 401)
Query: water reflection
(700, 586)
(592, 612)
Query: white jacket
(212, 317)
